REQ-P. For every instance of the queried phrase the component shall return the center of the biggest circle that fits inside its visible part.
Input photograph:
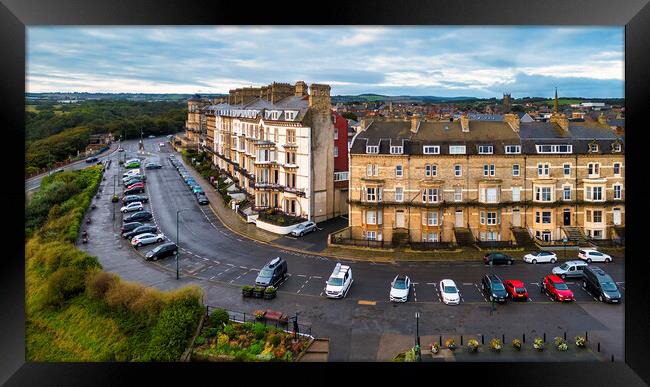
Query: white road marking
(431, 283)
(468, 283)
(230, 264)
(481, 293)
(301, 275)
(243, 267)
(317, 277)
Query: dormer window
(616, 147)
(396, 150)
(372, 149)
(485, 149)
(431, 149)
(456, 149)
(593, 148)
(542, 149)
(513, 149)
(290, 115)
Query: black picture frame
(16, 15)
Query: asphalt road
(221, 262)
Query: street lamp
(114, 180)
(178, 252)
(418, 356)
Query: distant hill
(141, 97)
(369, 97)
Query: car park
(131, 207)
(145, 228)
(139, 216)
(339, 283)
(134, 191)
(202, 198)
(555, 287)
(146, 239)
(303, 228)
(134, 198)
(497, 258)
(516, 289)
(591, 255)
(540, 257)
(161, 251)
(152, 165)
(570, 269)
(272, 273)
(493, 286)
(449, 292)
(129, 226)
(600, 285)
(400, 288)
(136, 184)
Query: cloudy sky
(436, 61)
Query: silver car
(303, 229)
(146, 239)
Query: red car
(516, 290)
(141, 185)
(556, 288)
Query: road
(365, 321)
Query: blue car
(196, 189)
(190, 183)
(189, 180)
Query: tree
(349, 116)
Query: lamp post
(418, 356)
(564, 241)
(177, 240)
(114, 182)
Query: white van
(339, 282)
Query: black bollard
(599, 346)
(461, 339)
(482, 340)
(524, 338)
(612, 358)
(586, 336)
(544, 337)
(503, 338)
(440, 341)
(564, 336)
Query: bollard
(440, 341)
(586, 336)
(612, 358)
(482, 340)
(503, 338)
(524, 338)
(461, 339)
(544, 337)
(599, 346)
(565, 336)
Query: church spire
(555, 102)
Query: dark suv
(164, 250)
(135, 198)
(139, 216)
(126, 227)
(134, 190)
(600, 284)
(140, 230)
(272, 273)
(496, 258)
(493, 286)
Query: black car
(272, 273)
(140, 230)
(133, 191)
(600, 284)
(497, 258)
(139, 216)
(201, 198)
(126, 227)
(164, 250)
(493, 286)
(91, 159)
(135, 198)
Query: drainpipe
(311, 175)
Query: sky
(473, 61)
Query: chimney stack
(415, 122)
(602, 119)
(513, 120)
(319, 99)
(561, 121)
(362, 124)
(301, 89)
(464, 122)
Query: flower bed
(246, 342)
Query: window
(341, 176)
(543, 194)
(371, 217)
(289, 116)
(458, 194)
(456, 149)
(593, 169)
(554, 148)
(430, 195)
(371, 194)
(617, 192)
(485, 149)
(488, 195)
(430, 218)
(593, 148)
(371, 170)
(458, 170)
(430, 237)
(431, 149)
(399, 194)
(594, 193)
(588, 215)
(616, 147)
(513, 149)
(491, 218)
(336, 152)
(543, 169)
(515, 170)
(372, 149)
(371, 235)
(537, 217)
(482, 217)
(488, 170)
(617, 169)
(291, 136)
(396, 150)
(430, 170)
(598, 216)
(566, 168)
(566, 193)
(516, 194)
(546, 217)
(336, 133)
(399, 172)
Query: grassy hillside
(77, 312)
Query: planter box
(247, 293)
(258, 293)
(269, 296)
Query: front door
(399, 219)
(617, 216)
(459, 218)
(516, 218)
(567, 217)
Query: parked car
(91, 159)
(146, 239)
(161, 144)
(152, 165)
(131, 173)
(600, 284)
(201, 198)
(134, 198)
(162, 251)
(540, 256)
(303, 229)
(133, 206)
(136, 184)
(132, 164)
(139, 216)
(555, 287)
(272, 273)
(151, 136)
(591, 255)
(133, 191)
(132, 181)
(145, 228)
(129, 226)
(496, 258)
(449, 292)
(494, 287)
(400, 288)
(197, 189)
(339, 283)
(516, 289)
(569, 269)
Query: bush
(200, 340)
(259, 331)
(229, 330)
(516, 344)
(538, 344)
(450, 343)
(211, 332)
(472, 345)
(275, 340)
(63, 284)
(255, 349)
(98, 283)
(495, 344)
(580, 341)
(218, 318)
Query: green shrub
(255, 349)
(200, 340)
(275, 339)
(211, 332)
(98, 283)
(218, 318)
(64, 284)
(259, 330)
(229, 330)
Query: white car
(449, 292)
(400, 288)
(146, 239)
(132, 172)
(161, 144)
(540, 256)
(339, 282)
(133, 206)
(590, 255)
